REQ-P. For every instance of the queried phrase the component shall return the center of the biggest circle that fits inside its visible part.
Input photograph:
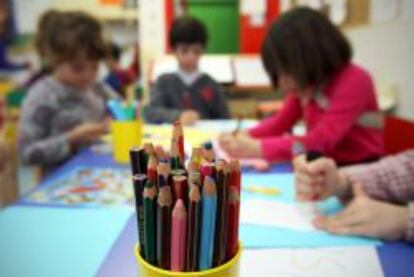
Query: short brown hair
(64, 36)
(187, 30)
(306, 45)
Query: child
(310, 60)
(65, 110)
(186, 95)
(369, 189)
(119, 78)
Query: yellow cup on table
(229, 269)
(125, 135)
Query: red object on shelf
(398, 135)
(251, 37)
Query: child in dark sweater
(186, 95)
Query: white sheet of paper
(277, 214)
(338, 262)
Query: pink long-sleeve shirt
(332, 131)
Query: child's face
(188, 56)
(78, 73)
(286, 83)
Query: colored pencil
(193, 167)
(161, 155)
(233, 223)
(179, 138)
(139, 183)
(206, 169)
(194, 228)
(194, 178)
(208, 225)
(175, 156)
(137, 158)
(150, 193)
(180, 188)
(220, 242)
(178, 236)
(163, 170)
(152, 167)
(164, 227)
(235, 174)
(197, 155)
(208, 152)
(238, 126)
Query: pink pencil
(178, 236)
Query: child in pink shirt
(308, 58)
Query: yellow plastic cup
(126, 134)
(229, 269)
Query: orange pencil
(178, 236)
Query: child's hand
(318, 180)
(189, 117)
(240, 146)
(367, 217)
(87, 132)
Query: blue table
(396, 258)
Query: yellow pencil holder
(229, 269)
(125, 134)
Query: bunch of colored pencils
(122, 111)
(188, 217)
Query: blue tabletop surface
(396, 258)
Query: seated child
(379, 196)
(186, 95)
(119, 78)
(309, 59)
(65, 110)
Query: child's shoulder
(42, 90)
(167, 78)
(354, 72)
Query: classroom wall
(387, 51)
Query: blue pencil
(116, 110)
(208, 223)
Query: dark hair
(114, 51)
(64, 36)
(306, 45)
(187, 30)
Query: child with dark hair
(187, 95)
(65, 110)
(309, 59)
(120, 78)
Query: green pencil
(150, 213)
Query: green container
(222, 20)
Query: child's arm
(157, 111)
(36, 145)
(280, 122)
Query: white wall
(387, 51)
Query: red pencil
(233, 223)
(178, 236)
(235, 174)
(180, 188)
(152, 168)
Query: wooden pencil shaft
(150, 229)
(164, 227)
(134, 160)
(163, 237)
(221, 219)
(194, 228)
